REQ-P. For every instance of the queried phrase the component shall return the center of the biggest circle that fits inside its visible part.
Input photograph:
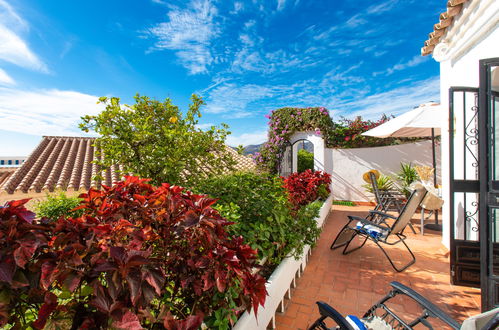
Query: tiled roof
(446, 18)
(65, 163)
(243, 163)
(6, 173)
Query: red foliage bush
(307, 186)
(138, 256)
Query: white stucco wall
(350, 164)
(473, 36)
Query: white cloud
(13, 48)
(44, 112)
(355, 21)
(189, 32)
(416, 60)
(238, 7)
(233, 100)
(247, 138)
(381, 7)
(5, 79)
(392, 102)
(204, 126)
(281, 4)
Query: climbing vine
(285, 122)
(346, 133)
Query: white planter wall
(350, 164)
(279, 284)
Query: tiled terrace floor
(352, 283)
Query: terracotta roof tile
(454, 7)
(6, 173)
(65, 163)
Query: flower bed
(135, 255)
(139, 256)
(280, 282)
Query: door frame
(489, 281)
(464, 253)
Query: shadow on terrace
(354, 282)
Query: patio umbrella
(422, 121)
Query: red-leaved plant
(139, 256)
(307, 186)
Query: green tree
(305, 160)
(153, 139)
(240, 149)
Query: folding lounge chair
(376, 228)
(382, 316)
(386, 200)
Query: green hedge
(258, 205)
(56, 206)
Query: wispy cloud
(247, 138)
(395, 101)
(234, 101)
(5, 79)
(355, 21)
(205, 125)
(281, 4)
(14, 48)
(416, 60)
(381, 8)
(159, 2)
(44, 112)
(189, 32)
(238, 7)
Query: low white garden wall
(280, 283)
(350, 164)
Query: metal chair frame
(382, 310)
(387, 200)
(378, 219)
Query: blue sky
(244, 57)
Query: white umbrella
(424, 120)
(418, 122)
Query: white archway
(322, 156)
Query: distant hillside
(252, 148)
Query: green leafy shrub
(348, 133)
(56, 206)
(258, 205)
(407, 176)
(139, 256)
(305, 160)
(344, 203)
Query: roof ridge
(454, 7)
(69, 137)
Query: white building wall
(473, 36)
(350, 164)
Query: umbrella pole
(434, 226)
(434, 157)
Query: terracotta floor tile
(352, 283)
